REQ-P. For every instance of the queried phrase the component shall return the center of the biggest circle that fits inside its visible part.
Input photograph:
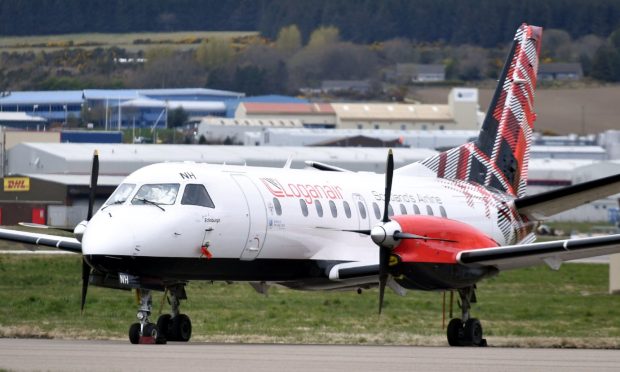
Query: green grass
(129, 41)
(39, 297)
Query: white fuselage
(268, 213)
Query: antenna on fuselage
(288, 163)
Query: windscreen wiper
(146, 201)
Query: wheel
(473, 332)
(181, 328)
(164, 325)
(150, 330)
(455, 332)
(134, 333)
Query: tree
(215, 53)
(289, 39)
(323, 36)
(177, 117)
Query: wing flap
(525, 255)
(546, 204)
(47, 240)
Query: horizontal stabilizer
(546, 204)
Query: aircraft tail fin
(499, 156)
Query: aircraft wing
(546, 204)
(551, 253)
(47, 240)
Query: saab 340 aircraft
(442, 224)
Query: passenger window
(304, 207)
(277, 206)
(442, 210)
(375, 207)
(362, 210)
(416, 210)
(403, 210)
(319, 208)
(429, 210)
(332, 207)
(347, 209)
(196, 194)
(390, 210)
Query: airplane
(442, 224)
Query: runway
(63, 355)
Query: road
(64, 355)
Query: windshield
(120, 195)
(163, 193)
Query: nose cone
(110, 232)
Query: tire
(455, 332)
(473, 332)
(181, 328)
(150, 330)
(164, 325)
(134, 333)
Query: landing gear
(175, 326)
(466, 331)
(170, 327)
(145, 332)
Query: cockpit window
(120, 195)
(196, 194)
(162, 193)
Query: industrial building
(48, 182)
(116, 108)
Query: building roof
(232, 104)
(125, 94)
(275, 123)
(261, 108)
(122, 159)
(34, 97)
(392, 112)
(19, 117)
(77, 179)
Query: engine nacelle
(431, 264)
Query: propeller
(94, 175)
(384, 250)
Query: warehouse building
(116, 108)
(48, 182)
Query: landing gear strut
(144, 332)
(466, 331)
(170, 327)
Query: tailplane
(499, 157)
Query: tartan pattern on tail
(499, 157)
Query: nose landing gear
(169, 327)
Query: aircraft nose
(110, 233)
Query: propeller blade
(85, 277)
(389, 172)
(384, 258)
(402, 235)
(94, 175)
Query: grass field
(129, 41)
(39, 297)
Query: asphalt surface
(63, 355)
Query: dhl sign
(18, 184)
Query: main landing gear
(170, 327)
(466, 331)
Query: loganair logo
(306, 191)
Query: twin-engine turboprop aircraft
(442, 224)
